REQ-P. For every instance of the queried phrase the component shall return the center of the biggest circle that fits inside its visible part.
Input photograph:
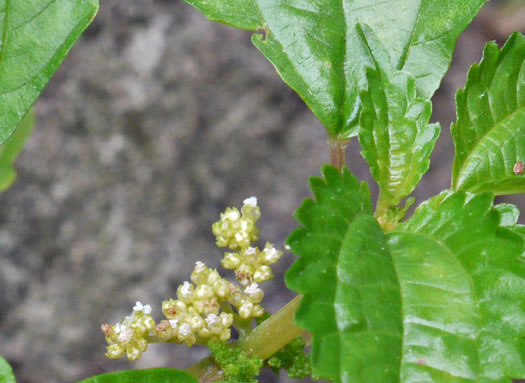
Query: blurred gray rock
(156, 122)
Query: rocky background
(155, 123)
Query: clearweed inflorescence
(207, 307)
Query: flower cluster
(196, 317)
(206, 307)
(237, 231)
(131, 335)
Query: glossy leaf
(10, 149)
(346, 276)
(462, 279)
(35, 37)
(153, 375)
(490, 124)
(441, 299)
(6, 373)
(317, 50)
(395, 135)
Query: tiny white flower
(252, 201)
(118, 328)
(250, 250)
(212, 319)
(174, 323)
(199, 267)
(146, 309)
(138, 306)
(186, 289)
(185, 330)
(252, 289)
(287, 247)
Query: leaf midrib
(470, 281)
(482, 139)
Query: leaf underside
(35, 37)
(490, 127)
(441, 299)
(153, 375)
(315, 47)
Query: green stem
(268, 338)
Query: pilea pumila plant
(435, 297)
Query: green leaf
(10, 149)
(395, 135)
(6, 373)
(441, 299)
(462, 280)
(490, 126)
(35, 36)
(153, 375)
(345, 274)
(316, 49)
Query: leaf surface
(441, 299)
(35, 37)
(346, 274)
(10, 149)
(395, 135)
(153, 375)
(490, 127)
(6, 373)
(316, 49)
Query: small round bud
(254, 293)
(258, 311)
(184, 330)
(213, 276)
(221, 288)
(231, 261)
(245, 311)
(262, 273)
(200, 273)
(115, 351)
(226, 320)
(185, 292)
(204, 292)
(251, 255)
(196, 322)
(250, 209)
(225, 335)
(270, 254)
(133, 353)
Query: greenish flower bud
(200, 273)
(185, 292)
(196, 322)
(231, 261)
(114, 351)
(270, 254)
(257, 311)
(213, 277)
(225, 335)
(251, 256)
(253, 293)
(262, 273)
(250, 209)
(222, 288)
(204, 292)
(226, 320)
(133, 353)
(245, 310)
